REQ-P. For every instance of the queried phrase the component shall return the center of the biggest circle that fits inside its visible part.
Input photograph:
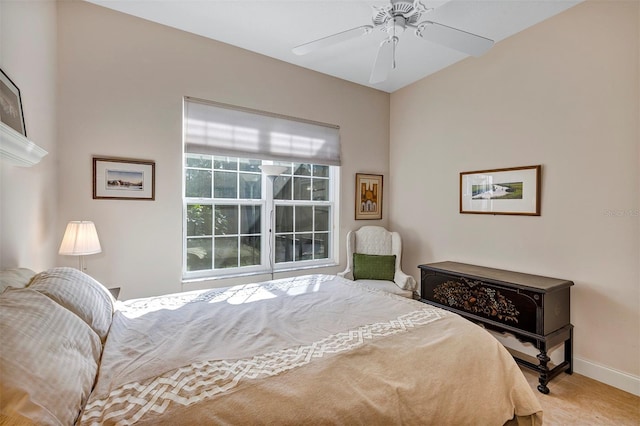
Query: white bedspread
(317, 349)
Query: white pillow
(16, 277)
(80, 294)
(48, 362)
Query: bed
(316, 349)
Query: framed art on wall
(123, 179)
(11, 105)
(511, 191)
(368, 196)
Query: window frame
(266, 201)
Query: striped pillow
(48, 361)
(80, 294)
(16, 277)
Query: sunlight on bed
(236, 295)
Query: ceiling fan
(394, 19)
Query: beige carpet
(578, 400)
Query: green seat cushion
(373, 267)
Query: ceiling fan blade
(453, 38)
(384, 61)
(303, 49)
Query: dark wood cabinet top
(533, 282)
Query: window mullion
(270, 221)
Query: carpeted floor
(578, 400)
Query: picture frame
(510, 191)
(368, 196)
(11, 113)
(123, 179)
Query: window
(236, 219)
(302, 213)
(228, 211)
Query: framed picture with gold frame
(368, 196)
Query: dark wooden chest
(534, 308)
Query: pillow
(80, 294)
(17, 278)
(48, 361)
(373, 267)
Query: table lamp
(80, 239)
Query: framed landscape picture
(512, 191)
(123, 179)
(368, 196)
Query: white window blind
(218, 129)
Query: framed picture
(11, 105)
(123, 179)
(368, 196)
(514, 191)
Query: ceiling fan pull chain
(393, 47)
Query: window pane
(302, 169)
(250, 219)
(320, 192)
(321, 246)
(304, 247)
(249, 251)
(301, 188)
(199, 219)
(282, 188)
(225, 163)
(225, 185)
(198, 254)
(284, 248)
(284, 219)
(198, 183)
(226, 252)
(226, 220)
(322, 218)
(199, 161)
(304, 218)
(321, 171)
(250, 186)
(250, 165)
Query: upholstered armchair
(376, 240)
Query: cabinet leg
(568, 352)
(544, 372)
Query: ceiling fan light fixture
(396, 26)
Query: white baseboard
(610, 376)
(618, 379)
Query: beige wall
(28, 196)
(122, 80)
(564, 94)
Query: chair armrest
(404, 281)
(347, 273)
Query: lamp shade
(80, 238)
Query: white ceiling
(273, 28)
